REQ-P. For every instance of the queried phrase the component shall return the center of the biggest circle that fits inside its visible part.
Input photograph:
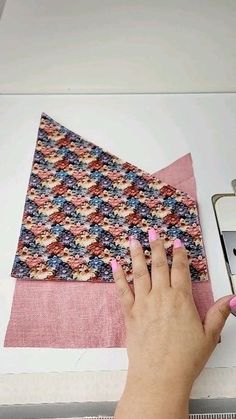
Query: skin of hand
(167, 344)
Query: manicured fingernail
(232, 304)
(114, 265)
(133, 242)
(152, 234)
(177, 244)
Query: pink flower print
(78, 175)
(96, 165)
(80, 151)
(95, 190)
(147, 177)
(37, 229)
(63, 142)
(131, 190)
(96, 248)
(129, 166)
(57, 217)
(77, 229)
(171, 219)
(55, 248)
(114, 201)
(62, 164)
(115, 230)
(133, 218)
(41, 199)
(47, 151)
(188, 201)
(199, 264)
(95, 217)
(194, 230)
(59, 189)
(33, 261)
(78, 200)
(113, 175)
(75, 261)
(152, 202)
(44, 174)
(49, 129)
(167, 190)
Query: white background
(118, 46)
(148, 130)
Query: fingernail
(133, 242)
(232, 304)
(152, 234)
(114, 265)
(177, 244)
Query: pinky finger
(125, 293)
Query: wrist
(143, 398)
(166, 391)
(157, 383)
(154, 393)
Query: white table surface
(150, 131)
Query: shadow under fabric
(66, 314)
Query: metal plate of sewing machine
(200, 416)
(199, 409)
(225, 212)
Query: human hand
(167, 343)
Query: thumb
(216, 317)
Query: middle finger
(142, 282)
(160, 267)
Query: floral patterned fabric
(82, 204)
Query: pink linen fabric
(86, 315)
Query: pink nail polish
(114, 265)
(152, 234)
(177, 244)
(232, 304)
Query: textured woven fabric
(82, 205)
(86, 315)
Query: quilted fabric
(82, 204)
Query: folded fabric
(82, 205)
(86, 315)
